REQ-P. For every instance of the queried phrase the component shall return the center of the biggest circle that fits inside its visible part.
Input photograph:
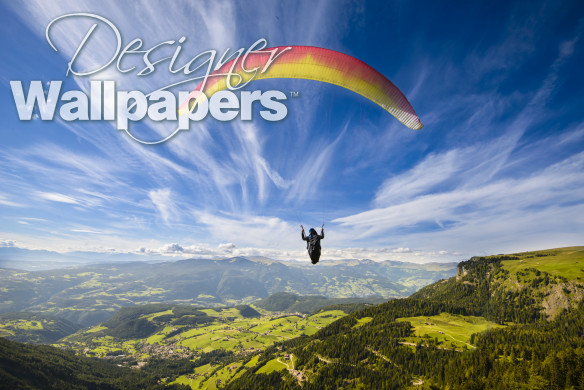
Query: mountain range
(90, 294)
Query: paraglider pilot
(313, 243)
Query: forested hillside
(536, 348)
(24, 366)
(540, 355)
(518, 288)
(35, 328)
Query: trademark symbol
(294, 93)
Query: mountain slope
(292, 303)
(352, 353)
(35, 328)
(382, 347)
(24, 366)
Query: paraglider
(313, 243)
(312, 63)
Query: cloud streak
(55, 197)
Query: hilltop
(519, 287)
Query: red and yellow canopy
(313, 63)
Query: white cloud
(90, 231)
(299, 254)
(432, 171)
(6, 202)
(163, 201)
(310, 173)
(250, 230)
(172, 248)
(227, 246)
(56, 197)
(7, 243)
(32, 219)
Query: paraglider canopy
(313, 63)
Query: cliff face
(516, 288)
(478, 267)
(560, 297)
(461, 272)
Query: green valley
(512, 319)
(165, 331)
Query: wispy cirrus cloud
(6, 202)
(56, 197)
(243, 163)
(554, 191)
(163, 201)
(310, 172)
(251, 230)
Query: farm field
(227, 330)
(450, 330)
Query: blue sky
(497, 168)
